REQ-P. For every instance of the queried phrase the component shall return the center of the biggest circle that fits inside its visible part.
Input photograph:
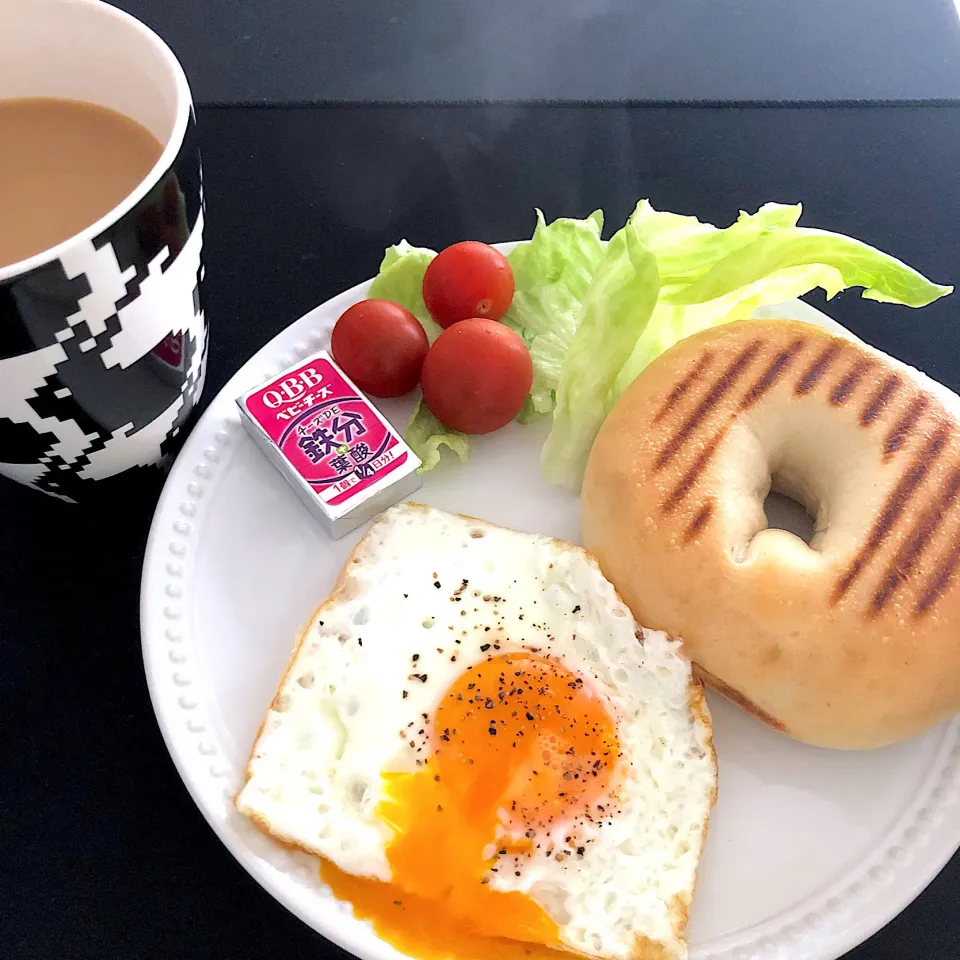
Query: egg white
(356, 703)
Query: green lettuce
(617, 307)
(671, 324)
(425, 435)
(833, 262)
(593, 314)
(704, 277)
(552, 272)
(686, 249)
(401, 280)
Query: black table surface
(286, 51)
(104, 855)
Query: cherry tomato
(469, 279)
(476, 376)
(380, 346)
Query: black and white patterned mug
(103, 338)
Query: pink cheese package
(330, 443)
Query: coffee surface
(63, 165)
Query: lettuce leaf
(686, 249)
(425, 435)
(593, 314)
(771, 267)
(552, 272)
(615, 311)
(671, 324)
(704, 276)
(401, 280)
(834, 262)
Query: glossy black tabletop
(288, 51)
(104, 855)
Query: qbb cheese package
(331, 444)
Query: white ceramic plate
(809, 851)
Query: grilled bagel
(850, 641)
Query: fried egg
(479, 742)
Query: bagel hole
(785, 513)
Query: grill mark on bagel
(901, 430)
(893, 509)
(731, 693)
(721, 387)
(814, 373)
(913, 548)
(699, 521)
(881, 397)
(849, 382)
(678, 392)
(693, 472)
(939, 582)
(773, 373)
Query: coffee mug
(103, 337)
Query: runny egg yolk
(519, 748)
